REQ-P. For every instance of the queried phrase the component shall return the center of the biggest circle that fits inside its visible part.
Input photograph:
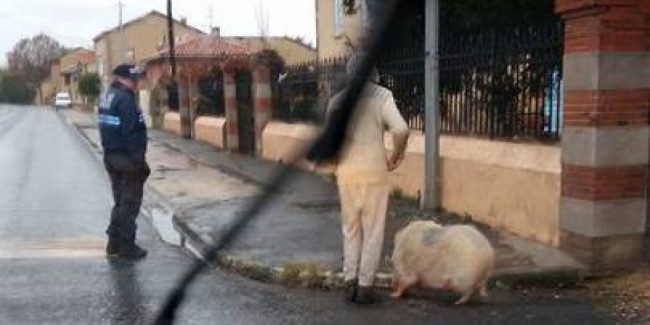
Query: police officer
(124, 139)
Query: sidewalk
(297, 239)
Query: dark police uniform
(124, 139)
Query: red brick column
(605, 138)
(263, 102)
(230, 98)
(184, 107)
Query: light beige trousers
(363, 209)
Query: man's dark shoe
(365, 296)
(351, 287)
(112, 248)
(132, 252)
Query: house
(216, 78)
(340, 26)
(51, 85)
(195, 57)
(65, 73)
(136, 40)
(72, 66)
(199, 62)
(337, 31)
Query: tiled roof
(292, 51)
(208, 46)
(78, 56)
(87, 57)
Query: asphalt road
(54, 207)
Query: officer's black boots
(365, 296)
(112, 248)
(132, 252)
(129, 251)
(351, 287)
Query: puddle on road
(162, 222)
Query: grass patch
(302, 274)
(399, 195)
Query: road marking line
(83, 247)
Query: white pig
(457, 258)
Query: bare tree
(262, 19)
(32, 58)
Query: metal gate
(245, 117)
(211, 94)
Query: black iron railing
(300, 93)
(504, 84)
(211, 95)
(496, 84)
(402, 71)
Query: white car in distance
(62, 100)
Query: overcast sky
(75, 22)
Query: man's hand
(306, 164)
(392, 163)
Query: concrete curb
(310, 276)
(293, 274)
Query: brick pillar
(230, 98)
(194, 103)
(605, 139)
(263, 98)
(184, 109)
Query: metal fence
(211, 94)
(503, 84)
(301, 92)
(499, 84)
(402, 71)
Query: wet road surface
(54, 207)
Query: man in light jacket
(362, 176)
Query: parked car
(62, 100)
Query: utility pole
(172, 87)
(431, 197)
(170, 36)
(120, 6)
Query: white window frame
(339, 17)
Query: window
(338, 17)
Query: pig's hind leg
(401, 284)
(480, 287)
(465, 298)
(468, 293)
(483, 290)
